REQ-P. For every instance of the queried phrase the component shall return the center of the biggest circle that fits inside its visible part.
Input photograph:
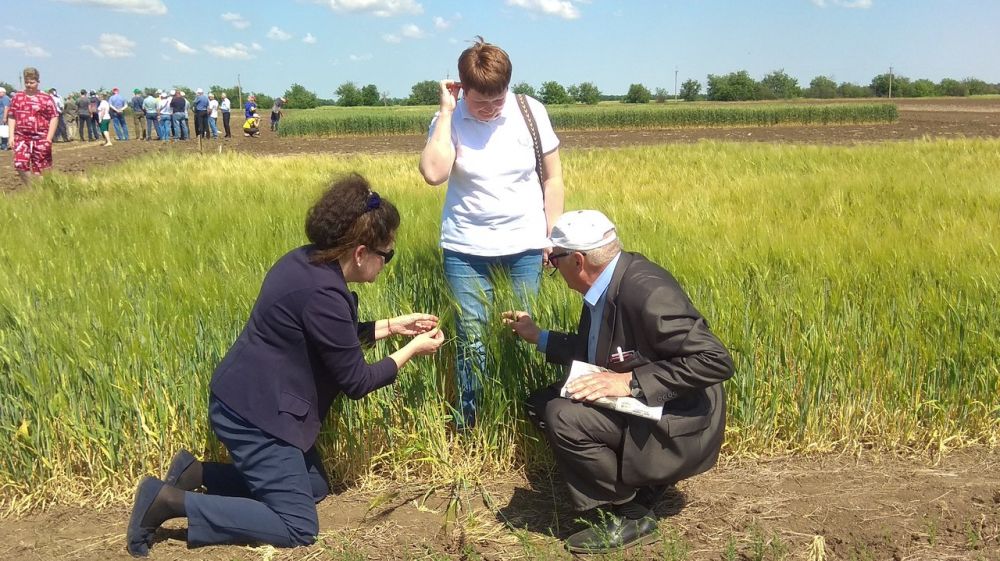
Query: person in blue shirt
(250, 108)
(300, 349)
(200, 114)
(117, 103)
(138, 114)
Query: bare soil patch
(876, 508)
(941, 118)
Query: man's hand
(521, 323)
(600, 384)
(412, 324)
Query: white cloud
(411, 31)
(256, 47)
(27, 49)
(112, 45)
(309, 39)
(361, 58)
(236, 51)
(442, 24)
(565, 9)
(144, 7)
(380, 8)
(390, 38)
(278, 34)
(862, 4)
(179, 46)
(236, 20)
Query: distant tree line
(735, 86)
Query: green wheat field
(856, 288)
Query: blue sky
(396, 43)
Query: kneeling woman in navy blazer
(300, 349)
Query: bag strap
(529, 119)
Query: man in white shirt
(213, 114)
(225, 106)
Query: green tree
(779, 85)
(690, 90)
(9, 87)
(923, 88)
(427, 92)
(588, 93)
(953, 88)
(554, 94)
(736, 86)
(370, 96)
(637, 93)
(300, 98)
(348, 95)
(821, 87)
(660, 95)
(524, 88)
(849, 90)
(979, 87)
(900, 85)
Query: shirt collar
(600, 286)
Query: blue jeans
(163, 127)
(214, 127)
(181, 125)
(151, 124)
(121, 128)
(471, 280)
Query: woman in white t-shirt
(497, 212)
(104, 115)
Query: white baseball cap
(199, 91)
(581, 230)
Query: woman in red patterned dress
(33, 119)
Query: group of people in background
(93, 115)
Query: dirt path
(948, 118)
(874, 509)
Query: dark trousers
(86, 124)
(61, 130)
(225, 123)
(586, 442)
(267, 495)
(201, 124)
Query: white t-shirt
(213, 108)
(494, 203)
(225, 105)
(104, 110)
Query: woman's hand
(428, 342)
(449, 94)
(412, 324)
(521, 323)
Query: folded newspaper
(628, 405)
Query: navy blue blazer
(300, 348)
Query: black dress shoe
(614, 533)
(138, 538)
(180, 462)
(651, 495)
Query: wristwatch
(634, 389)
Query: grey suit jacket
(678, 363)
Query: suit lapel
(607, 331)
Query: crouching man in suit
(638, 322)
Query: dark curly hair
(347, 215)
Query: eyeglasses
(387, 255)
(555, 257)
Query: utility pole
(239, 89)
(890, 81)
(675, 83)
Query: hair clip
(373, 201)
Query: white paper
(628, 405)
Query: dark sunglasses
(387, 255)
